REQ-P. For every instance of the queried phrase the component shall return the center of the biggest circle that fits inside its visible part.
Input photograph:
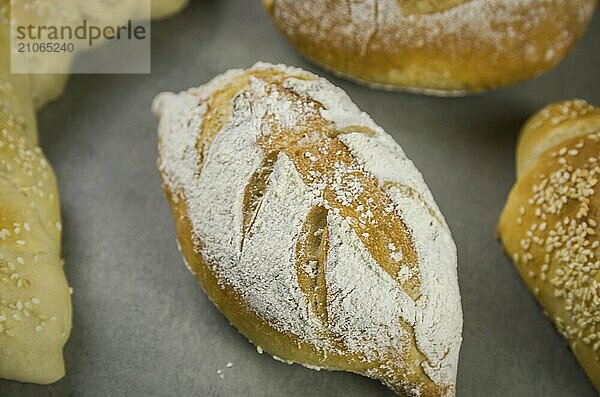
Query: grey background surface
(142, 326)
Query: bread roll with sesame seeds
(309, 228)
(549, 225)
(35, 306)
(35, 303)
(436, 47)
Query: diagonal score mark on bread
(254, 192)
(407, 191)
(311, 254)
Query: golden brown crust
(436, 47)
(549, 225)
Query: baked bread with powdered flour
(440, 47)
(549, 225)
(310, 229)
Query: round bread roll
(439, 47)
(549, 225)
(309, 228)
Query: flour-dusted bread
(440, 47)
(549, 225)
(309, 228)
